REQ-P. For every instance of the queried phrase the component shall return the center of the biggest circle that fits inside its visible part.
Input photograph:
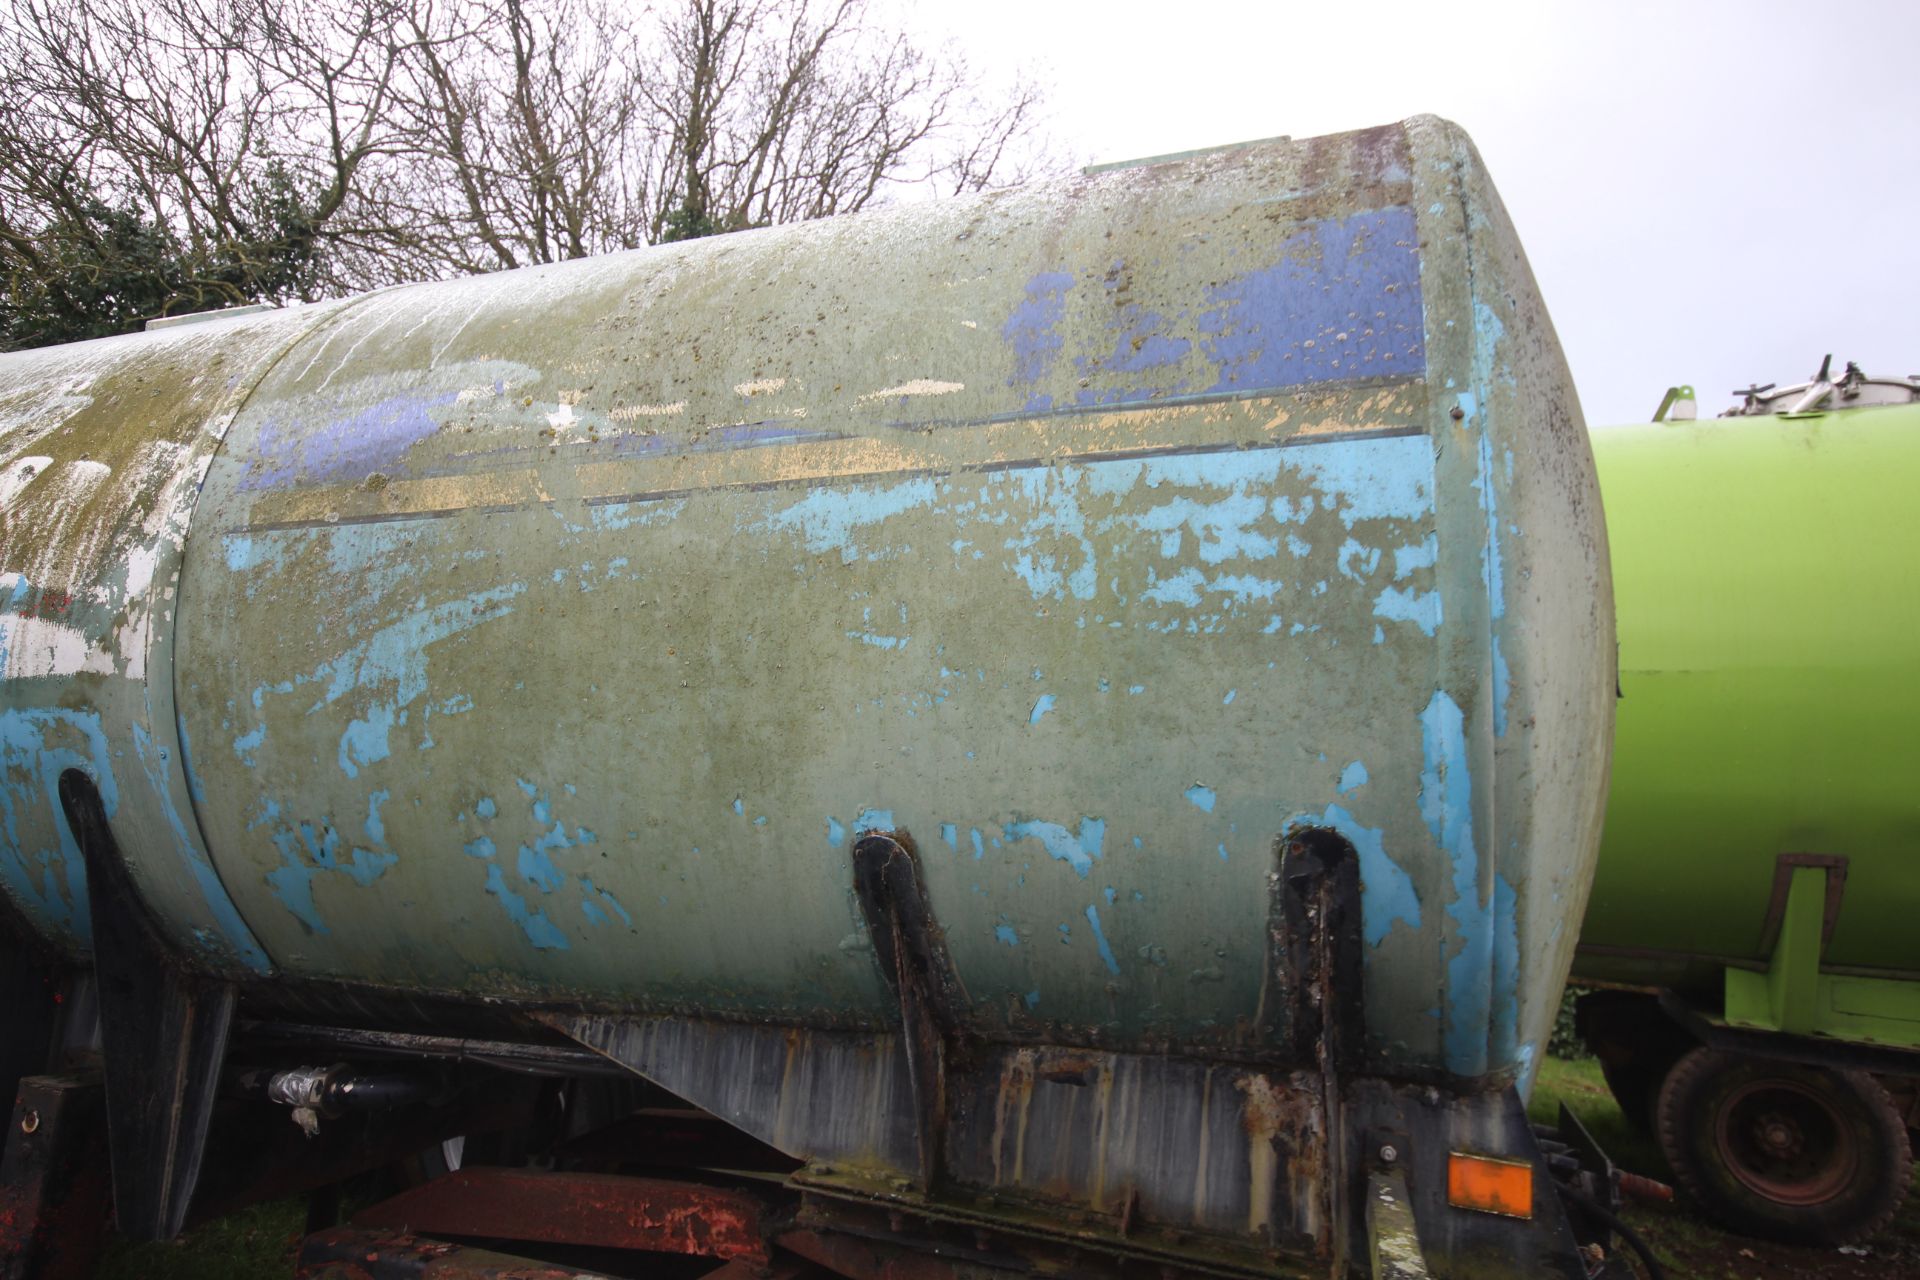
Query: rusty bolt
(1456, 413)
(29, 1122)
(1389, 1153)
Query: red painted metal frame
(602, 1210)
(348, 1253)
(345, 1254)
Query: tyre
(1783, 1151)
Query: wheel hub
(1779, 1136)
(1786, 1142)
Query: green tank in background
(1751, 921)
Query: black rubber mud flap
(911, 950)
(164, 1031)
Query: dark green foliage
(1565, 1042)
(92, 273)
(689, 222)
(96, 270)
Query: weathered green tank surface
(1768, 605)
(1750, 922)
(1118, 550)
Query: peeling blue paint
(1492, 575)
(240, 552)
(1423, 554)
(365, 740)
(836, 834)
(540, 931)
(1032, 331)
(1040, 708)
(195, 791)
(979, 850)
(367, 865)
(1216, 508)
(1387, 895)
(351, 445)
(536, 867)
(30, 769)
(1503, 1029)
(1200, 796)
(1446, 804)
(827, 516)
(1342, 301)
(247, 745)
(1422, 608)
(1377, 479)
(873, 820)
(292, 884)
(615, 517)
(1077, 851)
(1006, 934)
(1353, 777)
(234, 936)
(1100, 940)
(376, 828)
(396, 655)
(1356, 561)
(1502, 690)
(951, 834)
(486, 808)
(880, 641)
(479, 847)
(606, 900)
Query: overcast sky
(1710, 193)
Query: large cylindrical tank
(1768, 604)
(548, 637)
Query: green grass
(258, 1243)
(1580, 1085)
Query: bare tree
(233, 130)
(781, 110)
(164, 155)
(525, 120)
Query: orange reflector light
(1491, 1186)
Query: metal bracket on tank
(164, 1032)
(912, 951)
